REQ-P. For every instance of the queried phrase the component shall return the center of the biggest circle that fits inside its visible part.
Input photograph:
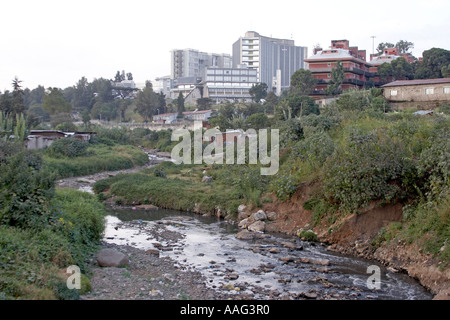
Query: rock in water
(258, 226)
(245, 235)
(111, 258)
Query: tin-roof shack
(39, 139)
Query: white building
(228, 84)
(191, 62)
(275, 60)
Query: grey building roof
(416, 82)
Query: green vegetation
(42, 231)
(180, 187)
(351, 152)
(70, 159)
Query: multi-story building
(191, 62)
(163, 84)
(229, 84)
(274, 60)
(358, 73)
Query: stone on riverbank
(258, 226)
(111, 258)
(259, 215)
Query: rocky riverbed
(175, 255)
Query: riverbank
(352, 237)
(180, 255)
(355, 234)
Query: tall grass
(33, 261)
(100, 158)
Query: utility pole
(373, 44)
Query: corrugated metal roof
(417, 82)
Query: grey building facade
(274, 59)
(228, 84)
(191, 62)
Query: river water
(272, 266)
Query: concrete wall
(416, 93)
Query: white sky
(56, 42)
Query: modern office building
(274, 60)
(228, 84)
(191, 62)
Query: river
(274, 263)
(267, 267)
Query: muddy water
(272, 266)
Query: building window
(393, 92)
(447, 90)
(429, 91)
(329, 64)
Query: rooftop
(332, 54)
(417, 82)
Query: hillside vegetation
(353, 153)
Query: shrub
(68, 147)
(315, 148)
(367, 167)
(285, 186)
(25, 191)
(80, 218)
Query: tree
(258, 92)
(337, 77)
(257, 121)
(54, 102)
(36, 96)
(118, 77)
(432, 63)
(83, 95)
(86, 118)
(180, 105)
(404, 46)
(18, 102)
(204, 103)
(162, 107)
(147, 102)
(399, 69)
(103, 90)
(302, 82)
(384, 45)
(6, 102)
(445, 71)
(129, 76)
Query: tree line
(102, 99)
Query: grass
(101, 158)
(33, 262)
(180, 189)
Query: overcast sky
(56, 42)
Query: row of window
(229, 85)
(428, 91)
(244, 72)
(231, 79)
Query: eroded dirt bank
(353, 235)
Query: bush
(68, 147)
(315, 148)
(25, 191)
(366, 167)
